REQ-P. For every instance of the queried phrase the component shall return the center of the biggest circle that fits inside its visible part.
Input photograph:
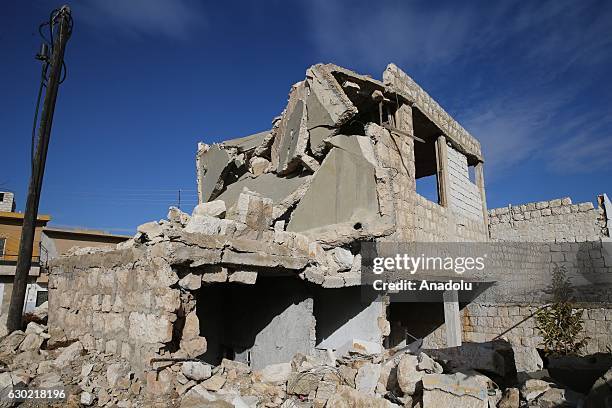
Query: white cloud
(375, 35)
(585, 145)
(525, 65)
(173, 19)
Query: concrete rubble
(255, 298)
(360, 377)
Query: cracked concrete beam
(330, 236)
(264, 260)
(249, 245)
(291, 136)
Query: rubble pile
(360, 374)
(87, 377)
(234, 246)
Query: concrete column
(479, 173)
(442, 165)
(452, 320)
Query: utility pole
(60, 25)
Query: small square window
(41, 297)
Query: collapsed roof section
(321, 164)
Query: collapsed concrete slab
(246, 143)
(343, 190)
(222, 163)
(283, 191)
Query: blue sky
(148, 79)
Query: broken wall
(119, 302)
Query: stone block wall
(119, 302)
(404, 85)
(484, 322)
(464, 196)
(579, 241)
(555, 220)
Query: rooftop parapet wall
(554, 220)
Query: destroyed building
(269, 263)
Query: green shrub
(561, 323)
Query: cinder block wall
(464, 196)
(434, 223)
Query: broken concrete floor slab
(212, 164)
(267, 185)
(246, 143)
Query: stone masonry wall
(483, 322)
(117, 302)
(418, 219)
(512, 322)
(548, 221)
(582, 247)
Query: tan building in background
(11, 223)
(49, 243)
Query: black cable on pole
(40, 88)
(43, 83)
